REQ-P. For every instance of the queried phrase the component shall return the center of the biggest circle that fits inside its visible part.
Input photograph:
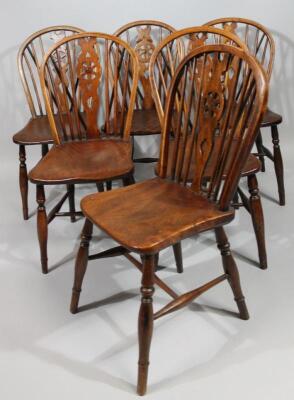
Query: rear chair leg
(278, 163)
(177, 248)
(259, 145)
(23, 181)
(231, 270)
(71, 201)
(81, 265)
(42, 227)
(128, 180)
(257, 219)
(145, 321)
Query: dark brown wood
(71, 201)
(231, 270)
(260, 149)
(160, 212)
(278, 163)
(158, 281)
(145, 321)
(42, 225)
(81, 265)
(53, 213)
(144, 36)
(260, 44)
(23, 181)
(177, 249)
(73, 75)
(37, 130)
(257, 219)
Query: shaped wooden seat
(147, 217)
(163, 64)
(261, 45)
(84, 92)
(37, 130)
(91, 161)
(159, 214)
(144, 36)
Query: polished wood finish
(261, 45)
(216, 83)
(37, 130)
(88, 80)
(144, 36)
(163, 64)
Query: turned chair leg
(231, 270)
(42, 227)
(257, 219)
(45, 149)
(100, 187)
(145, 321)
(81, 265)
(128, 180)
(71, 201)
(259, 145)
(108, 185)
(278, 163)
(23, 181)
(177, 249)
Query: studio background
(47, 353)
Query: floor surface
(201, 352)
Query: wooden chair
(163, 64)
(143, 37)
(37, 129)
(89, 82)
(262, 46)
(164, 210)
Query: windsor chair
(88, 80)
(262, 46)
(143, 37)
(164, 210)
(163, 64)
(37, 130)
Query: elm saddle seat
(91, 160)
(270, 118)
(145, 122)
(159, 213)
(36, 131)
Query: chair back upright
(144, 36)
(29, 60)
(220, 93)
(170, 52)
(257, 38)
(89, 83)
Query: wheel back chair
(143, 37)
(163, 64)
(164, 210)
(262, 46)
(37, 130)
(89, 83)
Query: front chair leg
(81, 265)
(257, 219)
(231, 270)
(177, 249)
(23, 181)
(278, 163)
(71, 201)
(42, 227)
(145, 321)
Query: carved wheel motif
(213, 104)
(144, 47)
